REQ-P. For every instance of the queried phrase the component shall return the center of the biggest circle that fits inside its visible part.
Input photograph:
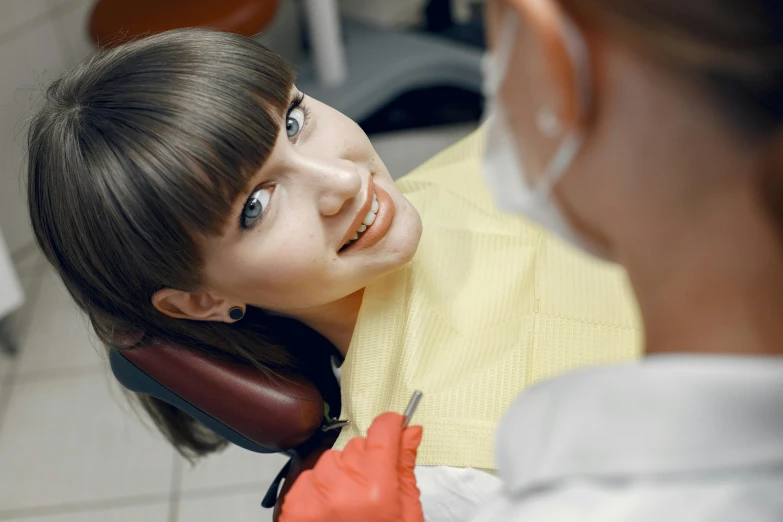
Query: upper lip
(360, 214)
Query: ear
(562, 58)
(197, 306)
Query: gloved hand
(371, 480)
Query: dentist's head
(634, 128)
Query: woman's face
(319, 221)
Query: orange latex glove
(371, 480)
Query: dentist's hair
(733, 48)
(136, 154)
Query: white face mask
(503, 172)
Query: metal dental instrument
(335, 424)
(411, 409)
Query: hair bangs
(194, 127)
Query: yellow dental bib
(489, 305)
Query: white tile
(403, 151)
(241, 507)
(58, 336)
(71, 440)
(145, 513)
(29, 268)
(5, 365)
(53, 4)
(28, 63)
(4, 390)
(7, 362)
(234, 466)
(25, 271)
(17, 12)
(71, 23)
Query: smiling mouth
(367, 222)
(378, 216)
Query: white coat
(671, 438)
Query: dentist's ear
(196, 306)
(550, 63)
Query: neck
(335, 321)
(719, 287)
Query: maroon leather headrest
(276, 411)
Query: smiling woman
(315, 224)
(140, 156)
(184, 188)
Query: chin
(404, 239)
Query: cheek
(345, 137)
(412, 235)
(272, 270)
(287, 261)
(404, 236)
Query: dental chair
(263, 413)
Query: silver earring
(548, 122)
(236, 313)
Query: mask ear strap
(501, 54)
(560, 162)
(580, 62)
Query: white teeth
(368, 220)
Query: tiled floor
(72, 450)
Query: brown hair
(135, 154)
(732, 48)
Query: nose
(336, 184)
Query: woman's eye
(294, 122)
(256, 205)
